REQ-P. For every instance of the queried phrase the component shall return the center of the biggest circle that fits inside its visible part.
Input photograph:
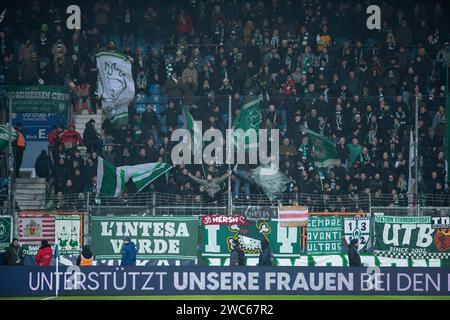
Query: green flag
(248, 118)
(4, 136)
(271, 180)
(194, 129)
(447, 122)
(111, 180)
(147, 173)
(323, 151)
(354, 152)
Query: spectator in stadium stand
(308, 69)
(44, 255)
(14, 254)
(354, 259)
(266, 256)
(211, 186)
(19, 148)
(237, 255)
(91, 138)
(43, 166)
(71, 138)
(128, 253)
(86, 257)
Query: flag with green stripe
(195, 131)
(111, 180)
(247, 120)
(5, 135)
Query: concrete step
(29, 180)
(31, 186)
(32, 207)
(31, 203)
(27, 196)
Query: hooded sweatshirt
(44, 256)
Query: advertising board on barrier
(104, 281)
(284, 241)
(155, 237)
(223, 219)
(324, 235)
(414, 237)
(5, 232)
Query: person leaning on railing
(211, 186)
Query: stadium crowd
(311, 63)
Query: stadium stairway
(30, 193)
(80, 125)
(82, 119)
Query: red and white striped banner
(37, 228)
(293, 216)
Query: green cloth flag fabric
(271, 180)
(249, 117)
(323, 150)
(4, 136)
(111, 180)
(447, 122)
(194, 129)
(354, 152)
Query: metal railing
(157, 203)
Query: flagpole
(416, 156)
(57, 270)
(230, 196)
(11, 172)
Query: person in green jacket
(14, 254)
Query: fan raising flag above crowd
(323, 150)
(111, 180)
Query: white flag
(115, 85)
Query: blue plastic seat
(155, 89)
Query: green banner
(284, 242)
(5, 232)
(43, 99)
(414, 237)
(324, 235)
(155, 237)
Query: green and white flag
(248, 118)
(115, 85)
(195, 130)
(271, 180)
(354, 152)
(4, 136)
(323, 151)
(111, 180)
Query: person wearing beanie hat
(128, 253)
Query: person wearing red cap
(71, 138)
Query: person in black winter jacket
(265, 257)
(86, 256)
(43, 165)
(354, 259)
(91, 138)
(237, 256)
